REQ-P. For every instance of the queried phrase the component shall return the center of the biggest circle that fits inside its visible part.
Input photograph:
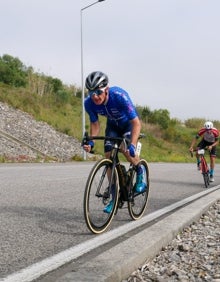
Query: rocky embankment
(193, 256)
(22, 138)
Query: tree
(57, 84)
(12, 71)
(161, 117)
(146, 112)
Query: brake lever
(85, 139)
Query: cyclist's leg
(212, 163)
(110, 131)
(141, 185)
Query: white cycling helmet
(208, 125)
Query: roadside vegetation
(48, 99)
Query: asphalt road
(41, 206)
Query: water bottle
(123, 168)
(122, 174)
(123, 181)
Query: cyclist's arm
(214, 144)
(193, 143)
(94, 131)
(94, 128)
(136, 129)
(135, 132)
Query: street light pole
(82, 70)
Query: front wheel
(102, 187)
(138, 201)
(206, 179)
(205, 171)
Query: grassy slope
(67, 118)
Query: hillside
(41, 119)
(25, 139)
(22, 138)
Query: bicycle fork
(110, 174)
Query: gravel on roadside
(194, 255)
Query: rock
(194, 255)
(22, 138)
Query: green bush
(12, 71)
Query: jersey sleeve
(216, 133)
(200, 133)
(93, 116)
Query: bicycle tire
(138, 202)
(206, 179)
(205, 172)
(98, 221)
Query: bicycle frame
(119, 143)
(203, 165)
(115, 162)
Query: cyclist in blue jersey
(122, 120)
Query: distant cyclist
(209, 138)
(122, 120)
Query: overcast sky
(165, 53)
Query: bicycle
(203, 166)
(107, 177)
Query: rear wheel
(138, 201)
(98, 194)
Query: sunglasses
(96, 92)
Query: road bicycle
(203, 166)
(109, 180)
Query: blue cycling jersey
(118, 109)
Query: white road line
(45, 266)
